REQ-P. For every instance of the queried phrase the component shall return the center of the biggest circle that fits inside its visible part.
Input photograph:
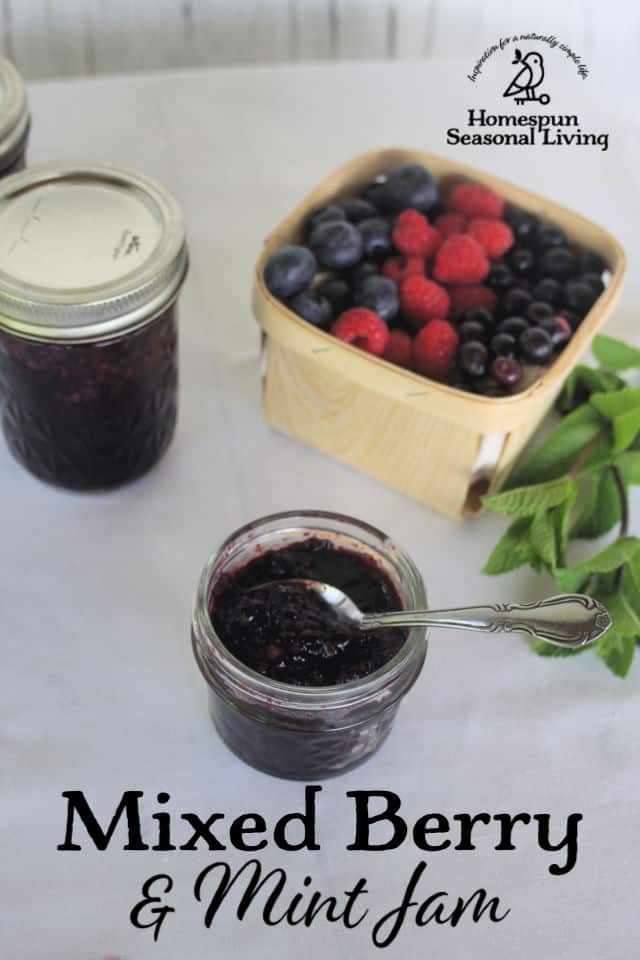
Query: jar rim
(135, 263)
(293, 697)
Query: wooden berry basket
(438, 444)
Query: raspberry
(400, 349)
(363, 328)
(413, 236)
(474, 200)
(422, 300)
(434, 349)
(471, 295)
(460, 259)
(494, 236)
(450, 223)
(397, 268)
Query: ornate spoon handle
(568, 620)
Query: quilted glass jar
(14, 119)
(305, 732)
(91, 263)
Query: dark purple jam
(287, 632)
(90, 415)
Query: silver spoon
(567, 620)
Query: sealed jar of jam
(290, 691)
(91, 263)
(14, 119)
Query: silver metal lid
(14, 113)
(86, 252)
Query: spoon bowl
(569, 620)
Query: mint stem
(586, 453)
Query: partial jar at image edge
(88, 376)
(305, 733)
(15, 120)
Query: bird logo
(524, 85)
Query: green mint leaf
(560, 516)
(512, 550)
(571, 579)
(603, 512)
(622, 604)
(544, 649)
(628, 463)
(582, 382)
(614, 354)
(557, 454)
(617, 650)
(622, 408)
(543, 537)
(527, 501)
(622, 551)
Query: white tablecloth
(99, 688)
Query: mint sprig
(574, 486)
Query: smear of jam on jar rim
(288, 633)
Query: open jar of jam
(14, 119)
(91, 263)
(290, 691)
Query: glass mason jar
(91, 263)
(305, 733)
(14, 119)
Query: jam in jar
(14, 119)
(91, 263)
(292, 691)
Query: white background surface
(99, 689)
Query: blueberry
(500, 277)
(478, 315)
(371, 193)
(549, 236)
(591, 262)
(558, 328)
(472, 330)
(506, 370)
(357, 209)
(538, 310)
(337, 292)
(593, 280)
(324, 215)
(359, 274)
(473, 357)
(379, 294)
(487, 387)
(522, 223)
(521, 260)
(579, 296)
(558, 262)
(516, 300)
(410, 185)
(337, 244)
(312, 306)
(376, 237)
(536, 345)
(548, 290)
(513, 326)
(289, 270)
(504, 345)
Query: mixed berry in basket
(444, 279)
